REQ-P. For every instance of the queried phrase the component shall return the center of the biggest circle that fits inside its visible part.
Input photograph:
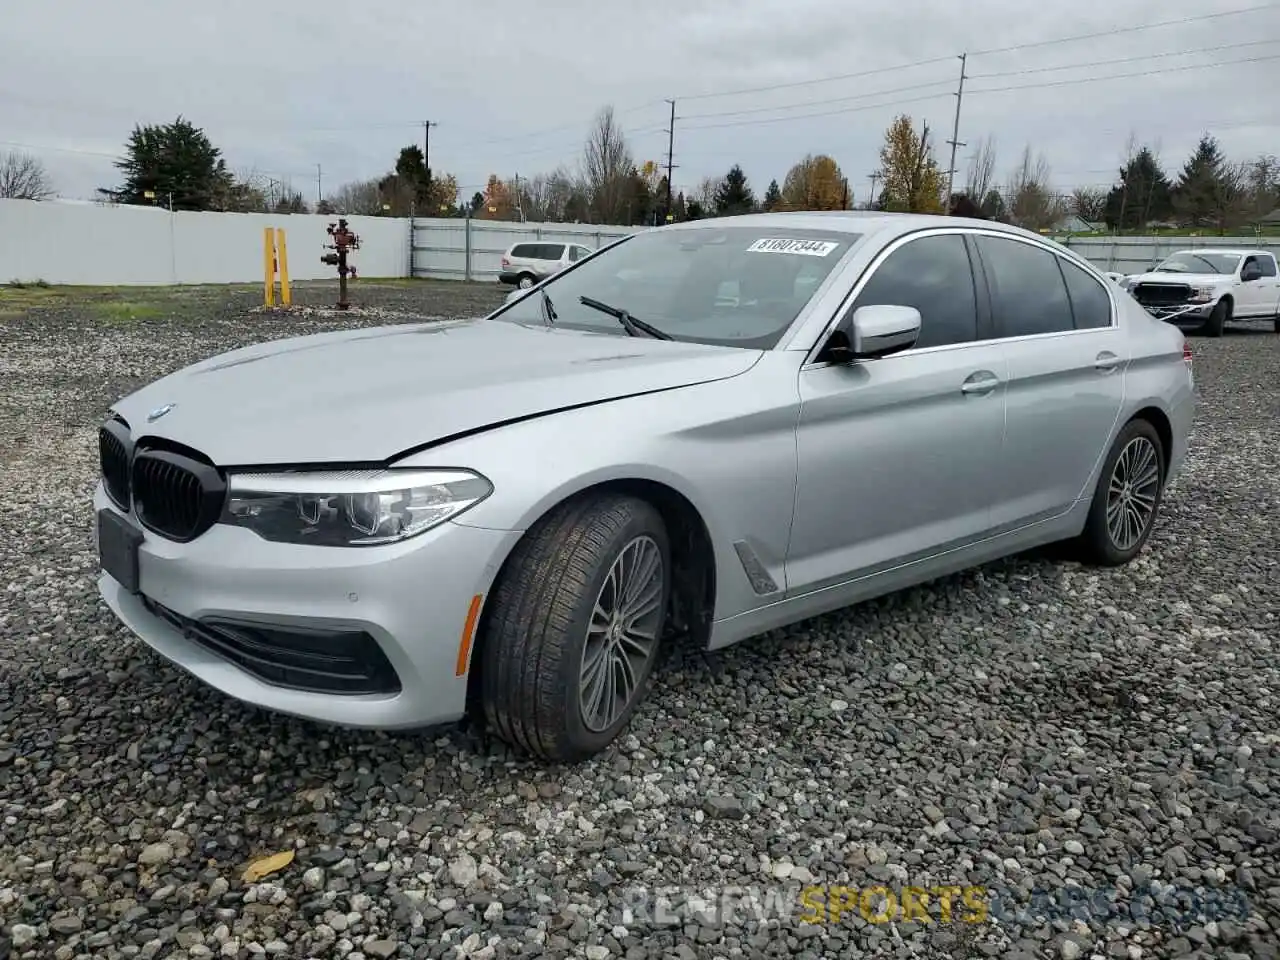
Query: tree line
(176, 165)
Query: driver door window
(934, 275)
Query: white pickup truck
(1204, 289)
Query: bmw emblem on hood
(159, 412)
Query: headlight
(1201, 294)
(349, 508)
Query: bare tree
(358, 198)
(23, 177)
(606, 168)
(705, 194)
(1262, 186)
(1032, 202)
(1089, 203)
(982, 170)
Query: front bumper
(1183, 315)
(410, 601)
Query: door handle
(980, 383)
(1106, 361)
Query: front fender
(726, 447)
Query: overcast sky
(283, 85)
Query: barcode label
(804, 248)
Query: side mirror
(882, 329)
(1251, 272)
(874, 331)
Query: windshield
(1202, 262)
(726, 285)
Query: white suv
(524, 264)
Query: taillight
(1187, 358)
(506, 262)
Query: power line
(831, 79)
(1111, 32)
(975, 53)
(1120, 60)
(858, 97)
(824, 113)
(1128, 76)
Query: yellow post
(268, 266)
(282, 252)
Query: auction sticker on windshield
(805, 248)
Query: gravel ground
(1030, 728)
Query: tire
(525, 281)
(1099, 543)
(1277, 322)
(1212, 327)
(534, 646)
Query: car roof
(1233, 251)
(850, 221)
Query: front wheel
(575, 626)
(1127, 498)
(1218, 317)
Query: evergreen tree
(1143, 193)
(411, 169)
(962, 205)
(173, 160)
(993, 207)
(641, 204)
(1208, 193)
(734, 195)
(772, 196)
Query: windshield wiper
(633, 326)
(548, 308)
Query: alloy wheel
(622, 636)
(1132, 492)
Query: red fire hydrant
(343, 241)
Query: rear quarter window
(1090, 303)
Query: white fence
(70, 243)
(98, 244)
(1139, 254)
(450, 249)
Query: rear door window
(1028, 294)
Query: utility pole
(671, 145)
(519, 202)
(871, 200)
(955, 134)
(426, 145)
(319, 196)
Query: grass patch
(23, 296)
(127, 311)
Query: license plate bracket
(118, 543)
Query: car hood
(368, 395)
(1192, 279)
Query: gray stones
(1032, 728)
